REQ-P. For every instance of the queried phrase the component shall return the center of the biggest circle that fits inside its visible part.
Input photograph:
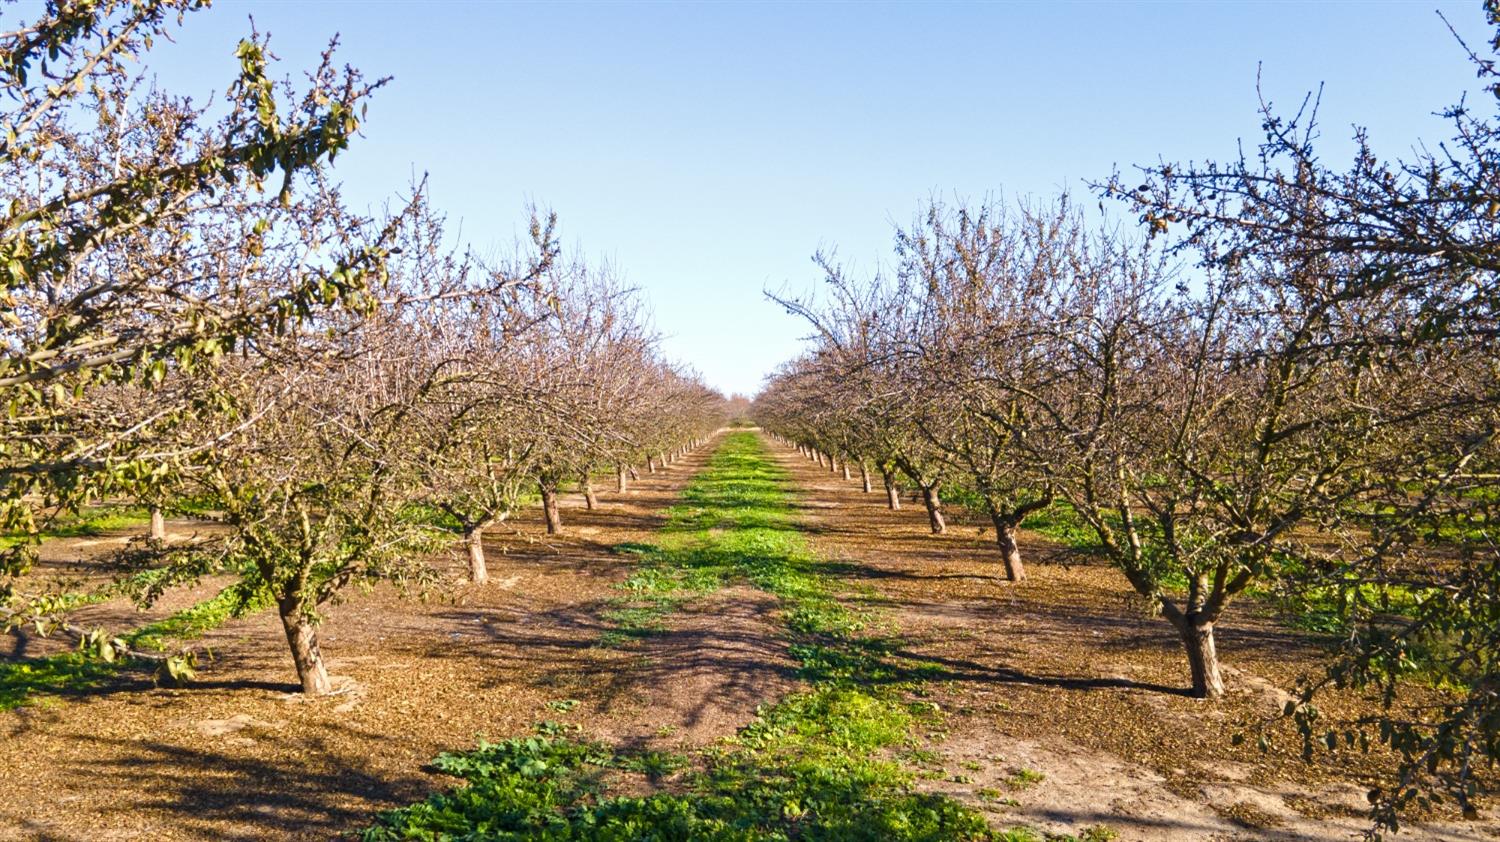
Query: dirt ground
(240, 755)
(81, 565)
(1065, 676)
(1060, 676)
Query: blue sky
(708, 149)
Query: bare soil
(84, 564)
(241, 755)
(1061, 676)
(1064, 675)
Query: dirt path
(1064, 677)
(1061, 699)
(721, 655)
(240, 755)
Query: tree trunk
(846, 471)
(650, 464)
(864, 476)
(549, 508)
(934, 506)
(833, 466)
(158, 525)
(1010, 553)
(589, 499)
(474, 540)
(663, 460)
(302, 636)
(634, 475)
(622, 484)
(892, 494)
(1203, 660)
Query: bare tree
(868, 371)
(474, 445)
(137, 241)
(984, 277)
(1388, 270)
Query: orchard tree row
(1289, 379)
(195, 320)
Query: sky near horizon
(708, 149)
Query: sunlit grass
(815, 765)
(95, 520)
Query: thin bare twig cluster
(195, 320)
(1289, 383)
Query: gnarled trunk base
(1203, 658)
(474, 539)
(302, 636)
(549, 509)
(1010, 552)
(934, 505)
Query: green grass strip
(193, 622)
(818, 765)
(92, 521)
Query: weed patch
(815, 765)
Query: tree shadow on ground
(710, 655)
(960, 669)
(314, 793)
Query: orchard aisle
(240, 755)
(783, 600)
(827, 761)
(1065, 704)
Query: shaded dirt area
(1064, 676)
(83, 565)
(1063, 702)
(720, 657)
(240, 755)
